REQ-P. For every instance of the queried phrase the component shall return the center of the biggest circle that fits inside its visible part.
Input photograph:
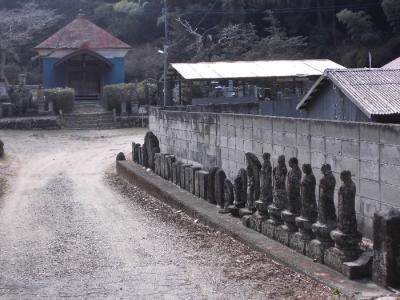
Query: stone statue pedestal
(275, 214)
(284, 232)
(322, 242)
(234, 210)
(269, 227)
(245, 215)
(261, 215)
(300, 241)
(346, 249)
(246, 211)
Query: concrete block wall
(370, 151)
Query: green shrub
(115, 94)
(62, 98)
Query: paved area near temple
(69, 227)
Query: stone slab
(174, 172)
(203, 184)
(157, 162)
(188, 170)
(196, 184)
(360, 268)
(162, 164)
(169, 161)
(182, 175)
(192, 179)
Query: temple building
(82, 56)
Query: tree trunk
(3, 58)
(319, 14)
(334, 23)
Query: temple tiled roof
(82, 33)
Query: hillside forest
(345, 31)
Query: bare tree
(18, 27)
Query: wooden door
(85, 82)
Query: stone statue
(120, 156)
(279, 195)
(254, 163)
(251, 187)
(240, 192)
(346, 236)
(266, 179)
(326, 205)
(347, 222)
(228, 196)
(308, 204)
(326, 215)
(293, 191)
(1, 148)
(293, 187)
(151, 146)
(135, 152)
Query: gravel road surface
(70, 228)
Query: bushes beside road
(62, 98)
(114, 95)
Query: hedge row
(114, 95)
(62, 98)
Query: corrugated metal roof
(254, 69)
(395, 64)
(374, 91)
(82, 33)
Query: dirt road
(69, 228)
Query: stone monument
(261, 215)
(249, 208)
(1, 148)
(228, 196)
(346, 236)
(326, 215)
(300, 241)
(211, 185)
(279, 199)
(220, 177)
(151, 146)
(386, 263)
(120, 156)
(292, 211)
(255, 165)
(135, 152)
(240, 193)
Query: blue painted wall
(117, 73)
(53, 78)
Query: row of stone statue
(283, 205)
(280, 203)
(286, 194)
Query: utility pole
(165, 51)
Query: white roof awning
(254, 69)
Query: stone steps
(89, 121)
